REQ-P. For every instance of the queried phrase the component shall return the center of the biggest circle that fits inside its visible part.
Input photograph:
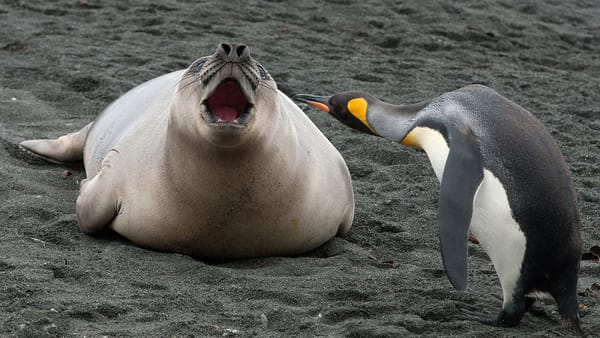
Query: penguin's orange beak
(321, 102)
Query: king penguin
(501, 175)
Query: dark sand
(61, 63)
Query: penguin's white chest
(498, 233)
(492, 221)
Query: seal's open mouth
(227, 104)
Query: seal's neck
(269, 152)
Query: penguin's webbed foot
(574, 324)
(511, 315)
(572, 321)
(508, 320)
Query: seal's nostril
(233, 52)
(243, 52)
(223, 50)
(240, 50)
(226, 48)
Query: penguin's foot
(572, 323)
(569, 307)
(507, 319)
(511, 314)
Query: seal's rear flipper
(65, 149)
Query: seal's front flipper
(462, 177)
(65, 149)
(98, 202)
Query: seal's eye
(197, 66)
(263, 73)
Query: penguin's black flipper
(462, 176)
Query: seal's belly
(266, 213)
(209, 232)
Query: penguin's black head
(350, 108)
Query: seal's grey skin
(501, 174)
(212, 161)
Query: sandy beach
(62, 62)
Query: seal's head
(227, 95)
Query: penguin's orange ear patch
(358, 107)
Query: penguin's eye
(333, 105)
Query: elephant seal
(502, 175)
(212, 161)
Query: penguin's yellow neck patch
(411, 140)
(358, 107)
(434, 145)
(424, 138)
